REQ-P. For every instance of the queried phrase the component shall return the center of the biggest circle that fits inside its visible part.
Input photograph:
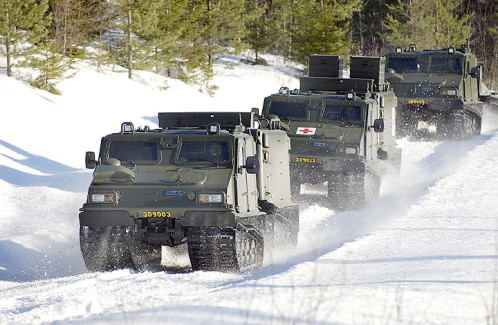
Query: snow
(426, 253)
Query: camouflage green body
(161, 183)
(439, 92)
(328, 147)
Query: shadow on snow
(348, 226)
(60, 176)
(34, 265)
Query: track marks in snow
(424, 165)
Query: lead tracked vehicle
(210, 181)
(440, 92)
(341, 129)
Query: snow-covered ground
(426, 253)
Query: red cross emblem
(305, 131)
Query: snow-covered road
(426, 253)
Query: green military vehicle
(341, 129)
(210, 181)
(440, 92)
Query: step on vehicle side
(440, 92)
(210, 181)
(341, 129)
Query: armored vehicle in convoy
(440, 92)
(341, 129)
(210, 181)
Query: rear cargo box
(368, 67)
(325, 66)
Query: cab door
(372, 137)
(246, 184)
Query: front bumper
(158, 231)
(320, 172)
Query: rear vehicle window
(333, 112)
(403, 64)
(134, 151)
(289, 109)
(199, 151)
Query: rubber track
(225, 249)
(105, 248)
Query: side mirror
(252, 165)
(90, 161)
(378, 125)
(475, 72)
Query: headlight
(103, 198)
(210, 198)
(448, 92)
(347, 150)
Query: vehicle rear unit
(341, 129)
(440, 92)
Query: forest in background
(183, 38)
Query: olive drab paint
(215, 182)
(342, 130)
(440, 92)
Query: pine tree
(484, 39)
(280, 20)
(100, 36)
(158, 24)
(260, 34)
(322, 27)
(124, 10)
(21, 21)
(430, 24)
(492, 68)
(51, 65)
(75, 23)
(214, 27)
(369, 28)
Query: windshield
(451, 65)
(134, 151)
(343, 113)
(289, 109)
(403, 64)
(202, 151)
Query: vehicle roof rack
(228, 120)
(336, 84)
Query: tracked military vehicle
(341, 129)
(440, 92)
(211, 181)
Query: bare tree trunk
(7, 46)
(129, 46)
